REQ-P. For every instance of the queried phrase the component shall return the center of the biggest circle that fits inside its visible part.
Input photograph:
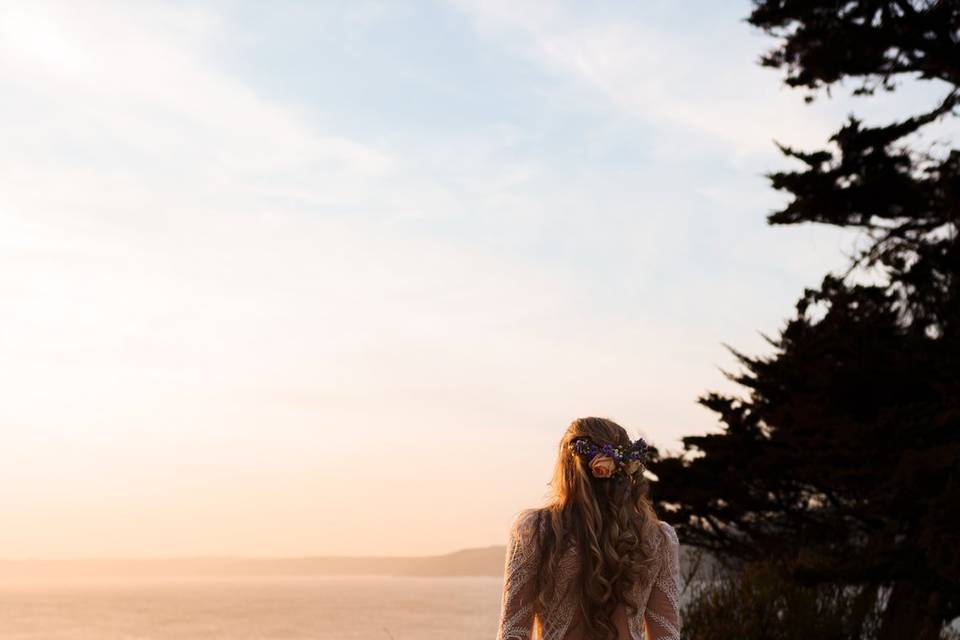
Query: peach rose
(602, 466)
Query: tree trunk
(911, 613)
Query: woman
(595, 563)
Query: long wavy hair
(609, 521)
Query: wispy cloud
(698, 82)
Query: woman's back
(658, 597)
(595, 562)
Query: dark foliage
(826, 41)
(842, 458)
(760, 602)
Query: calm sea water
(237, 608)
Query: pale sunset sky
(298, 278)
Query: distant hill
(483, 561)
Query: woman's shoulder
(526, 523)
(668, 544)
(660, 535)
(669, 533)
(528, 517)
(653, 528)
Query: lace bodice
(659, 615)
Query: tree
(842, 457)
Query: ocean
(248, 608)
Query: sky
(332, 278)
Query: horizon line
(234, 557)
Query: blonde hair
(608, 519)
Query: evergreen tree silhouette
(841, 457)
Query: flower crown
(607, 460)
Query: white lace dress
(657, 619)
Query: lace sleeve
(662, 615)
(520, 570)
